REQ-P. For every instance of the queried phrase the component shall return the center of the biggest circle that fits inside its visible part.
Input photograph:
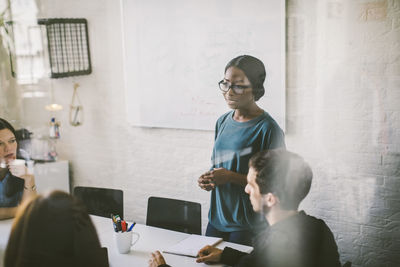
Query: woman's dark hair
(254, 70)
(6, 125)
(54, 230)
(284, 174)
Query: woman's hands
(18, 169)
(156, 259)
(205, 181)
(209, 254)
(218, 176)
(221, 176)
(212, 178)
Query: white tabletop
(5, 228)
(151, 239)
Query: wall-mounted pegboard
(68, 46)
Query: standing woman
(15, 182)
(239, 134)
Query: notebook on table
(191, 245)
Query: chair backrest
(173, 214)
(101, 201)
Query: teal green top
(235, 143)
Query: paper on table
(191, 245)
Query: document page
(192, 244)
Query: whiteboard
(175, 53)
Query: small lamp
(53, 106)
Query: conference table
(151, 239)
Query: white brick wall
(343, 104)
(343, 116)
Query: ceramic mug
(18, 167)
(124, 242)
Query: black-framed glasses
(237, 89)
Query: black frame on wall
(68, 46)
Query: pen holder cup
(124, 241)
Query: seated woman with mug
(54, 230)
(16, 184)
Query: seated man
(277, 182)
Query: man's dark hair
(284, 174)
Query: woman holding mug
(16, 184)
(239, 134)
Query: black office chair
(173, 214)
(101, 201)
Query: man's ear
(270, 200)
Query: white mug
(18, 162)
(18, 166)
(124, 241)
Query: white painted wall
(343, 116)
(105, 151)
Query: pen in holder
(123, 234)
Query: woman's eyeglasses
(237, 89)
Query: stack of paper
(191, 245)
